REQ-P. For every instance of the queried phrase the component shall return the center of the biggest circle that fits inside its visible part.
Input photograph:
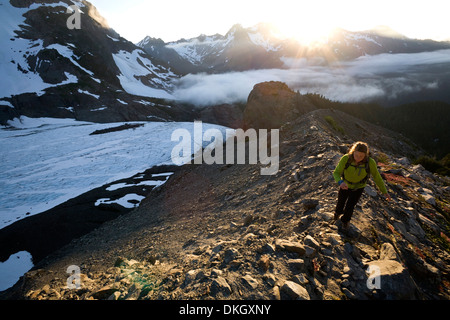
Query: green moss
(437, 239)
(335, 126)
(437, 166)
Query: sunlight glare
(306, 34)
(305, 23)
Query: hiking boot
(336, 217)
(345, 225)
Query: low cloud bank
(368, 78)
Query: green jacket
(355, 174)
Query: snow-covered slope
(45, 66)
(134, 67)
(17, 75)
(240, 49)
(49, 161)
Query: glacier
(47, 161)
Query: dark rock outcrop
(271, 104)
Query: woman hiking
(352, 173)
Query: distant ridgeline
(426, 123)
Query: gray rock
(387, 252)
(310, 251)
(267, 248)
(348, 293)
(310, 241)
(216, 273)
(310, 204)
(249, 281)
(296, 264)
(391, 279)
(230, 255)
(295, 291)
(301, 279)
(270, 279)
(220, 285)
(284, 245)
(430, 199)
(104, 293)
(403, 161)
(370, 191)
(418, 168)
(193, 275)
(413, 176)
(429, 223)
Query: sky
(308, 20)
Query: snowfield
(13, 268)
(46, 161)
(132, 66)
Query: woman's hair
(361, 147)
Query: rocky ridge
(226, 232)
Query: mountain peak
(386, 31)
(147, 40)
(236, 29)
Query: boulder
(220, 285)
(309, 204)
(296, 264)
(391, 280)
(387, 252)
(430, 199)
(310, 241)
(250, 282)
(285, 245)
(295, 291)
(104, 293)
(370, 191)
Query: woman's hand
(343, 186)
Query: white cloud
(400, 62)
(204, 89)
(364, 79)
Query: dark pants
(347, 200)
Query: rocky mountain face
(239, 50)
(260, 47)
(224, 231)
(90, 73)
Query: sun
(310, 22)
(306, 35)
(307, 30)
